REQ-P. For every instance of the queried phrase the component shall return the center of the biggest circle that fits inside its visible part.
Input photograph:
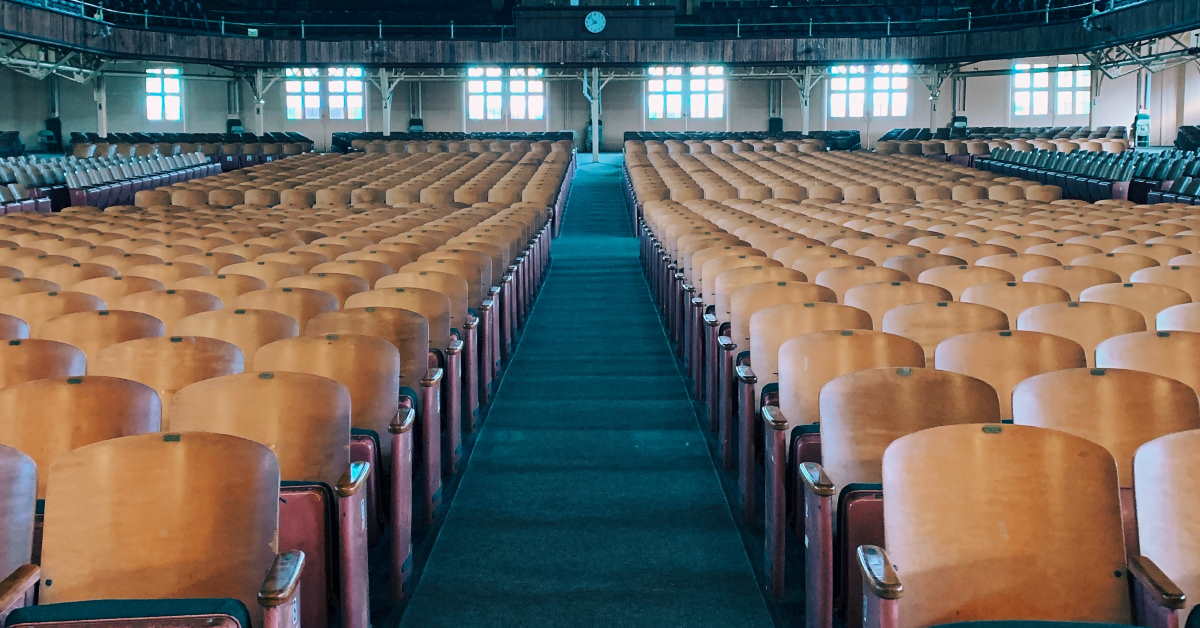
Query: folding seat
(931, 322)
(168, 272)
(92, 331)
(1186, 278)
(22, 360)
(1123, 264)
(1072, 279)
(930, 575)
(877, 298)
(226, 287)
(168, 363)
(269, 272)
(169, 305)
(1147, 298)
(299, 303)
(125, 261)
(1117, 408)
(1168, 353)
(305, 420)
(843, 278)
(20, 285)
(107, 497)
(806, 363)
(46, 418)
(70, 274)
(956, 279)
(1004, 358)
(35, 308)
(914, 265)
(13, 328)
(249, 329)
(757, 378)
(880, 251)
(861, 414)
(1164, 472)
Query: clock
(594, 21)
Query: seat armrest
(746, 375)
(726, 343)
(774, 417)
(878, 574)
(403, 421)
(454, 347)
(15, 589)
(282, 580)
(710, 320)
(1163, 591)
(486, 304)
(433, 377)
(354, 478)
(815, 479)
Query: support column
(260, 102)
(595, 98)
(100, 95)
(386, 98)
(805, 84)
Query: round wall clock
(595, 21)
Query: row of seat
(998, 132)
(231, 155)
(112, 181)
(848, 350)
(1089, 176)
(393, 146)
(249, 388)
(847, 139)
(830, 176)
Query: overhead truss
(41, 62)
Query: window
(1031, 90)
(701, 87)
(485, 93)
(889, 91)
(164, 94)
(526, 94)
(847, 91)
(345, 93)
(303, 89)
(886, 89)
(1073, 91)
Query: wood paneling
(1152, 19)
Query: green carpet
(590, 498)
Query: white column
(385, 93)
(595, 115)
(100, 94)
(260, 102)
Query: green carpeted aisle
(590, 498)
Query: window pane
(654, 106)
(879, 104)
(858, 84)
(312, 72)
(154, 107)
(1041, 79)
(493, 87)
(837, 84)
(494, 107)
(1041, 103)
(716, 105)
(517, 107)
(1083, 102)
(900, 83)
(716, 85)
(674, 85)
(698, 70)
(291, 72)
(858, 69)
(1021, 80)
(154, 85)
(354, 107)
(1083, 78)
(293, 108)
(696, 108)
(475, 107)
(715, 70)
(337, 87)
(474, 71)
(837, 105)
(655, 70)
(675, 70)
(537, 107)
(837, 69)
(293, 87)
(354, 87)
(337, 107)
(516, 87)
(475, 87)
(1064, 79)
(492, 71)
(537, 87)
(1021, 103)
(354, 72)
(654, 85)
(674, 105)
(881, 69)
(899, 104)
(337, 71)
(880, 83)
(900, 68)
(312, 107)
(696, 85)
(174, 106)
(1065, 103)
(312, 87)
(857, 104)
(517, 72)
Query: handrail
(965, 23)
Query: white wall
(24, 103)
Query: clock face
(595, 21)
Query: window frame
(345, 85)
(494, 93)
(302, 86)
(674, 92)
(858, 90)
(1026, 88)
(159, 95)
